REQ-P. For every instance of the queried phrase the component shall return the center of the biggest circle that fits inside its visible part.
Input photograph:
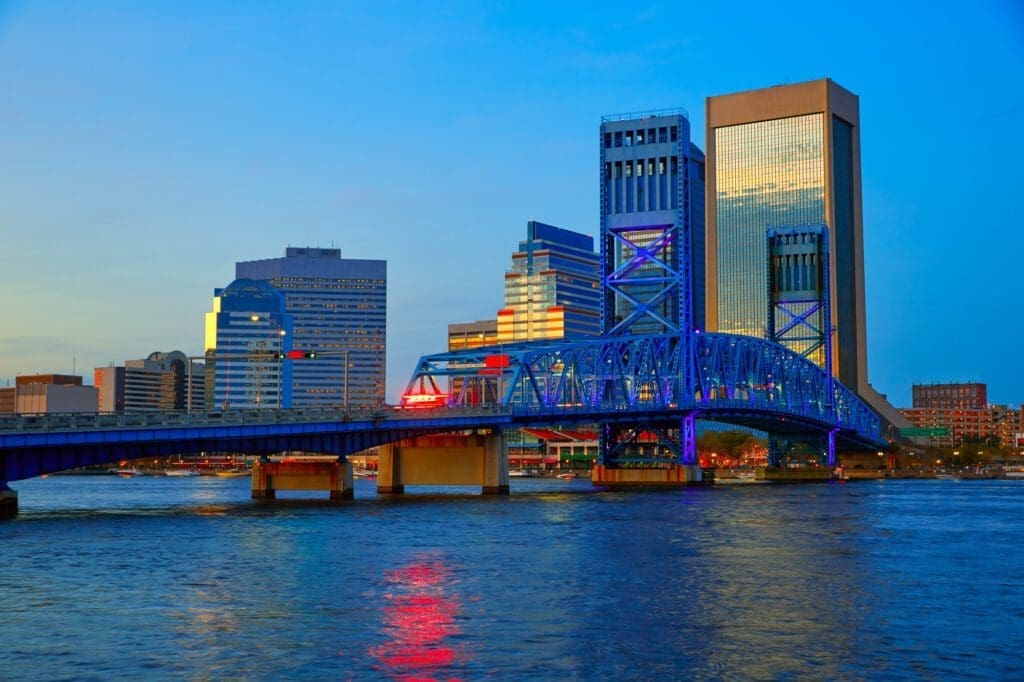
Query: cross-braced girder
(741, 379)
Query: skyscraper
(652, 217)
(781, 157)
(246, 333)
(339, 310)
(788, 158)
(552, 290)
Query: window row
(618, 169)
(628, 138)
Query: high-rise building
(160, 382)
(787, 158)
(247, 332)
(782, 157)
(339, 310)
(652, 218)
(552, 290)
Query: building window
(618, 139)
(607, 140)
(662, 134)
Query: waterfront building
(159, 382)
(970, 396)
(247, 334)
(552, 290)
(49, 394)
(786, 157)
(988, 424)
(339, 310)
(652, 224)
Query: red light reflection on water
(419, 616)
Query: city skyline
(133, 185)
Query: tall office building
(780, 157)
(552, 290)
(339, 310)
(652, 217)
(246, 333)
(788, 158)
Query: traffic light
(309, 354)
(280, 356)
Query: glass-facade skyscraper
(338, 307)
(781, 157)
(246, 332)
(552, 290)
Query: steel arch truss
(640, 379)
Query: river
(103, 577)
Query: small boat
(128, 473)
(233, 473)
(180, 473)
(566, 475)
(364, 473)
(519, 473)
(947, 477)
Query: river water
(102, 577)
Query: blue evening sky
(147, 146)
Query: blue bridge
(631, 386)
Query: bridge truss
(640, 380)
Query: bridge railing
(93, 420)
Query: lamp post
(345, 389)
(280, 333)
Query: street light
(280, 333)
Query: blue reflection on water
(106, 577)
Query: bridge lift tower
(799, 312)
(652, 198)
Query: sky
(147, 147)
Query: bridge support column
(334, 476)
(674, 476)
(495, 464)
(8, 501)
(389, 470)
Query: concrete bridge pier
(8, 501)
(303, 474)
(444, 460)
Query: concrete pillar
(389, 470)
(8, 501)
(343, 487)
(262, 487)
(495, 464)
(333, 476)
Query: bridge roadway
(34, 445)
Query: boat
(128, 473)
(233, 473)
(947, 477)
(364, 473)
(180, 473)
(735, 478)
(566, 475)
(519, 473)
